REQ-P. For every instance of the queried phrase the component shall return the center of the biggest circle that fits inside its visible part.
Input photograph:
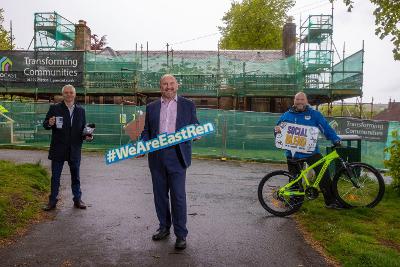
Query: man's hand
(278, 129)
(52, 121)
(337, 144)
(140, 156)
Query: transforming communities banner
(369, 130)
(41, 68)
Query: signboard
(368, 130)
(297, 138)
(162, 141)
(41, 68)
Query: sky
(193, 25)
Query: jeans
(56, 169)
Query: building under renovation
(251, 80)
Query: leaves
(96, 43)
(5, 41)
(393, 164)
(254, 24)
(387, 21)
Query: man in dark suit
(168, 166)
(67, 121)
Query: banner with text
(163, 140)
(41, 68)
(369, 130)
(297, 138)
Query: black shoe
(160, 234)
(80, 204)
(335, 206)
(180, 243)
(50, 206)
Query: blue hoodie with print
(309, 117)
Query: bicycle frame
(326, 160)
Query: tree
(387, 21)
(393, 164)
(5, 41)
(96, 43)
(254, 24)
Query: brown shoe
(49, 206)
(80, 204)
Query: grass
(356, 237)
(23, 189)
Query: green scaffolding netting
(348, 72)
(201, 73)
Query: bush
(393, 164)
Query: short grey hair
(68, 86)
(167, 75)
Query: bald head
(168, 86)
(300, 101)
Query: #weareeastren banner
(41, 68)
(161, 141)
(297, 138)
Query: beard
(169, 94)
(300, 108)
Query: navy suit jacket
(66, 143)
(186, 115)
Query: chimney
(82, 36)
(289, 37)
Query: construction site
(115, 86)
(250, 80)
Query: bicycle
(355, 184)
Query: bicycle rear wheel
(270, 199)
(364, 189)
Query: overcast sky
(192, 25)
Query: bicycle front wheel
(364, 189)
(272, 201)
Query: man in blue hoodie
(301, 113)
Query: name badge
(307, 117)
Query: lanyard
(72, 114)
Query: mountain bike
(355, 184)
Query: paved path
(227, 226)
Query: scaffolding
(242, 75)
(53, 32)
(316, 51)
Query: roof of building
(392, 113)
(240, 55)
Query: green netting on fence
(241, 135)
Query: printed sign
(162, 141)
(41, 68)
(297, 138)
(375, 131)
